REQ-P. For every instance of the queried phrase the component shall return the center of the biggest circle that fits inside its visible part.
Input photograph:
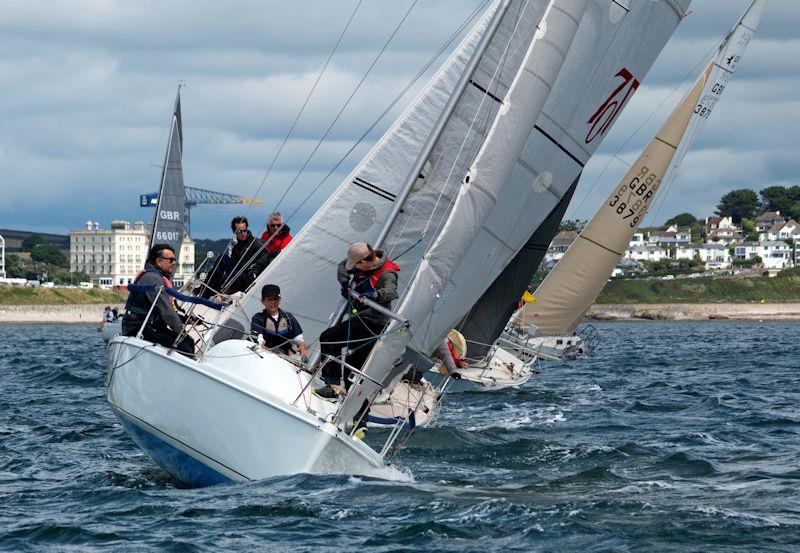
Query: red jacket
(279, 241)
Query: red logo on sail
(606, 113)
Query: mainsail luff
(358, 209)
(573, 285)
(168, 222)
(482, 186)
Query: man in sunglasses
(373, 276)
(236, 270)
(277, 235)
(164, 325)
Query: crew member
(278, 328)
(451, 353)
(369, 273)
(236, 270)
(164, 325)
(277, 235)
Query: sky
(87, 89)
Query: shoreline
(93, 313)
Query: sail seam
(624, 7)
(723, 68)
(600, 245)
(374, 189)
(489, 94)
(559, 145)
(665, 142)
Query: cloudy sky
(88, 88)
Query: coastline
(93, 313)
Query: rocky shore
(696, 312)
(92, 313)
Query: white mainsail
(578, 278)
(168, 222)
(429, 148)
(607, 60)
(484, 182)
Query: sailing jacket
(378, 284)
(138, 304)
(246, 258)
(279, 241)
(281, 331)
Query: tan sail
(576, 281)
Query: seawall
(77, 313)
(696, 311)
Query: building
(784, 230)
(775, 254)
(715, 256)
(670, 237)
(113, 257)
(767, 220)
(559, 246)
(646, 253)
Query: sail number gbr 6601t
(632, 200)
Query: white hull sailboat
(236, 412)
(502, 369)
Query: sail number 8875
(631, 199)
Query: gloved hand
(345, 290)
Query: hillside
(702, 290)
(28, 295)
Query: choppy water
(690, 443)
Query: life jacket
(456, 359)
(367, 283)
(278, 330)
(137, 301)
(279, 241)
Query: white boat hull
(502, 370)
(109, 329)
(389, 409)
(227, 417)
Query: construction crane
(195, 196)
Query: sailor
(108, 315)
(277, 328)
(164, 325)
(369, 273)
(277, 235)
(240, 266)
(451, 353)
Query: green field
(28, 295)
(702, 290)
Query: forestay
(441, 132)
(577, 279)
(168, 223)
(615, 46)
(483, 185)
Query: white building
(646, 253)
(670, 237)
(559, 246)
(785, 230)
(715, 256)
(115, 256)
(775, 254)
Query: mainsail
(577, 279)
(483, 184)
(405, 186)
(168, 223)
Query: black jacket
(138, 304)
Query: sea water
(671, 437)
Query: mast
(573, 285)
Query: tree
(777, 198)
(749, 229)
(738, 204)
(49, 254)
(682, 220)
(14, 267)
(31, 242)
(572, 224)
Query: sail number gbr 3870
(632, 200)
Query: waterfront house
(559, 246)
(785, 230)
(775, 254)
(715, 256)
(646, 253)
(767, 220)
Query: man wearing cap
(369, 273)
(278, 328)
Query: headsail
(607, 60)
(578, 278)
(483, 185)
(168, 223)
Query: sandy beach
(92, 313)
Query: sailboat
(237, 412)
(573, 285)
(168, 221)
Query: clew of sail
(578, 278)
(483, 184)
(168, 223)
(405, 186)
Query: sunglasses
(241, 231)
(273, 225)
(170, 259)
